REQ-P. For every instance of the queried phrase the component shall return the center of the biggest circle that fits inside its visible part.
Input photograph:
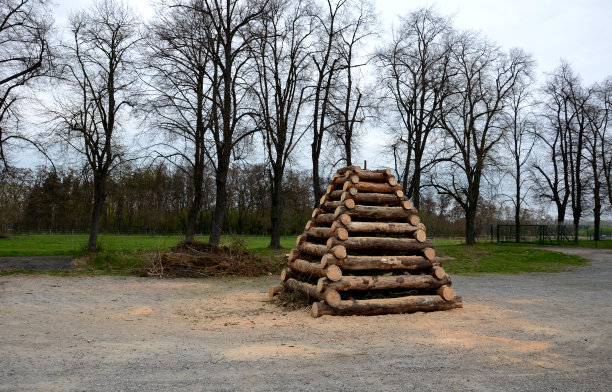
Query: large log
(415, 303)
(319, 232)
(332, 272)
(361, 263)
(382, 227)
(372, 198)
(369, 175)
(373, 187)
(353, 168)
(307, 289)
(331, 205)
(323, 219)
(345, 283)
(336, 195)
(312, 249)
(394, 244)
(377, 212)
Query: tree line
(226, 95)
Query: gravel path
(36, 263)
(530, 332)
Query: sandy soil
(527, 332)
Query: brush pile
(193, 259)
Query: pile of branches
(193, 259)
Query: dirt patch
(520, 332)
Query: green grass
(128, 254)
(504, 259)
(75, 245)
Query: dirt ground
(530, 332)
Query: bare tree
(98, 87)
(25, 56)
(520, 124)
(482, 83)
(282, 60)
(180, 69)
(327, 63)
(416, 74)
(351, 99)
(597, 115)
(556, 109)
(230, 27)
(606, 136)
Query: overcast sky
(577, 31)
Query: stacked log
(365, 252)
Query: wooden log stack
(365, 252)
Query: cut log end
(301, 239)
(392, 181)
(446, 292)
(407, 205)
(420, 235)
(309, 224)
(332, 298)
(323, 199)
(316, 310)
(429, 253)
(273, 291)
(414, 220)
(334, 273)
(345, 219)
(342, 234)
(339, 251)
(353, 191)
(439, 272)
(399, 193)
(349, 203)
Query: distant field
(68, 244)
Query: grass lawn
(504, 258)
(127, 254)
(67, 244)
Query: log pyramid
(365, 252)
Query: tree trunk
(276, 210)
(470, 220)
(196, 204)
(99, 198)
(221, 203)
(596, 208)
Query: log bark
(312, 249)
(319, 232)
(361, 263)
(307, 289)
(331, 205)
(392, 244)
(293, 254)
(323, 219)
(336, 195)
(317, 211)
(377, 212)
(417, 303)
(332, 272)
(425, 282)
(374, 187)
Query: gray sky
(577, 31)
